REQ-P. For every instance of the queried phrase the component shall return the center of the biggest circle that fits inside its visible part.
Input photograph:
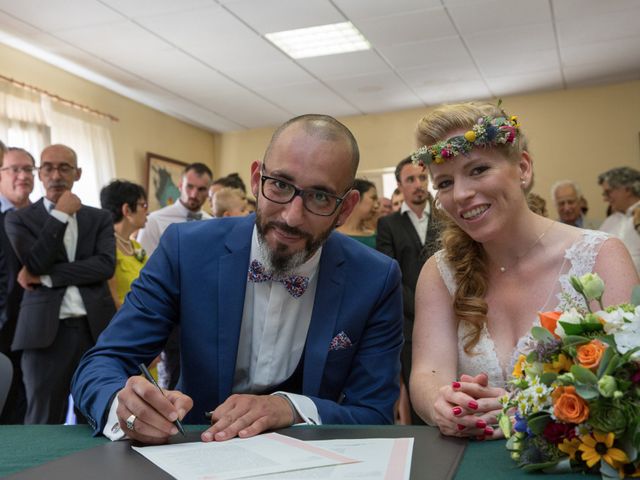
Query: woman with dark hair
(356, 224)
(127, 203)
(477, 299)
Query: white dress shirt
(72, 304)
(272, 339)
(621, 225)
(420, 224)
(158, 221)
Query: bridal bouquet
(574, 401)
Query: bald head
(323, 127)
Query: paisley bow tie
(296, 285)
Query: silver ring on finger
(131, 422)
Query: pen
(148, 376)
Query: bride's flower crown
(487, 132)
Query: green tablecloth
(22, 447)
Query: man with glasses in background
(67, 252)
(16, 184)
(283, 321)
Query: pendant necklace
(520, 257)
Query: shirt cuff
(46, 281)
(304, 407)
(63, 217)
(112, 428)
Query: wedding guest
(501, 264)
(356, 226)
(127, 203)
(229, 202)
(621, 190)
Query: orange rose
(549, 320)
(568, 406)
(589, 354)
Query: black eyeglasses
(63, 168)
(15, 170)
(316, 201)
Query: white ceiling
(207, 61)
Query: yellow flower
(470, 136)
(518, 368)
(438, 160)
(570, 447)
(561, 364)
(600, 446)
(514, 121)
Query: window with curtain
(32, 121)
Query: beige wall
(140, 129)
(573, 134)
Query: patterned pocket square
(340, 342)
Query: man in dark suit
(68, 253)
(410, 236)
(16, 183)
(282, 320)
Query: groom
(283, 321)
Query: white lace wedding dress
(579, 259)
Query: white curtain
(31, 121)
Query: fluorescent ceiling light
(318, 41)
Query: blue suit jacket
(197, 278)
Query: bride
(501, 264)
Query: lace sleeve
(446, 272)
(581, 257)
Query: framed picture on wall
(163, 178)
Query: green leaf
(541, 334)
(505, 425)
(584, 375)
(571, 340)
(572, 328)
(590, 327)
(532, 357)
(607, 471)
(575, 283)
(588, 392)
(563, 466)
(604, 361)
(532, 467)
(548, 378)
(608, 339)
(635, 296)
(536, 423)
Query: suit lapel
(407, 224)
(232, 281)
(326, 307)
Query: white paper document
(380, 459)
(239, 458)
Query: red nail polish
(473, 405)
(455, 385)
(460, 427)
(488, 431)
(481, 424)
(456, 411)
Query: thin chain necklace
(125, 244)
(520, 257)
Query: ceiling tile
(597, 74)
(498, 14)
(407, 27)
(525, 82)
(216, 37)
(586, 30)
(363, 9)
(571, 9)
(345, 65)
(621, 51)
(267, 16)
(376, 93)
(54, 15)
(256, 77)
(430, 52)
(11, 27)
(454, 92)
(150, 8)
(310, 98)
(438, 74)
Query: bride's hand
(468, 408)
